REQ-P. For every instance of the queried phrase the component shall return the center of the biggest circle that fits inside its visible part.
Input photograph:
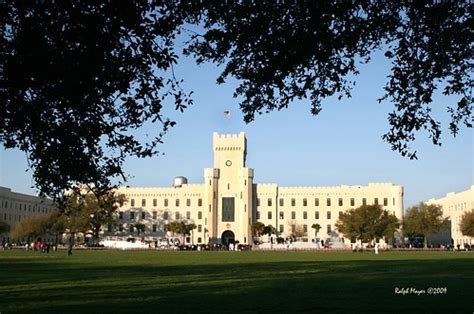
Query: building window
(293, 228)
(155, 202)
(340, 202)
(293, 215)
(385, 201)
(143, 215)
(120, 215)
(282, 215)
(258, 215)
(188, 202)
(143, 202)
(154, 228)
(376, 201)
(328, 215)
(131, 228)
(281, 202)
(352, 202)
(165, 215)
(316, 215)
(293, 202)
(281, 228)
(269, 202)
(199, 215)
(199, 228)
(364, 201)
(394, 201)
(120, 228)
(199, 239)
(132, 202)
(132, 215)
(155, 214)
(199, 202)
(305, 202)
(305, 228)
(177, 202)
(340, 214)
(269, 215)
(305, 215)
(258, 201)
(329, 229)
(188, 239)
(188, 215)
(165, 202)
(228, 209)
(316, 202)
(176, 215)
(328, 202)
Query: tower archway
(227, 237)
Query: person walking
(69, 247)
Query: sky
(341, 146)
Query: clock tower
(230, 150)
(230, 190)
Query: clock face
(228, 163)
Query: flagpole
(227, 116)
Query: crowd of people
(36, 246)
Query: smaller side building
(17, 206)
(454, 206)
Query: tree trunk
(425, 242)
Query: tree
(297, 229)
(87, 212)
(54, 224)
(187, 228)
(316, 228)
(467, 223)
(269, 230)
(282, 51)
(71, 101)
(173, 227)
(423, 219)
(180, 227)
(31, 227)
(257, 229)
(4, 227)
(78, 78)
(140, 227)
(367, 223)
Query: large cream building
(17, 206)
(454, 206)
(228, 202)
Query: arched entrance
(227, 237)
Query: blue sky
(342, 145)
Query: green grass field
(228, 282)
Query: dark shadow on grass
(28, 286)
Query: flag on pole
(227, 113)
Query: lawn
(228, 282)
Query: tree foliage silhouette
(78, 79)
